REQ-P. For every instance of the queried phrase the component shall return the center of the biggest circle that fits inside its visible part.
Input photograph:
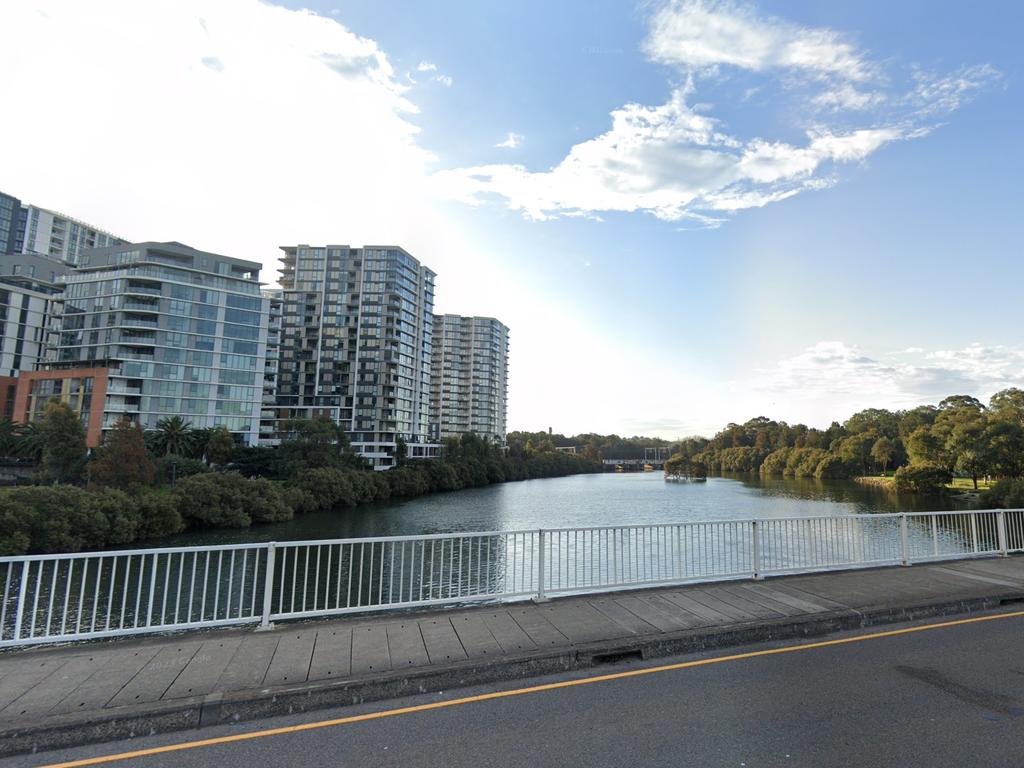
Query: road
(942, 696)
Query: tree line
(143, 485)
(926, 446)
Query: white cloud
(670, 161)
(694, 34)
(437, 77)
(832, 379)
(678, 162)
(511, 141)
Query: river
(581, 500)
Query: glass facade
(182, 332)
(356, 333)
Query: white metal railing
(55, 598)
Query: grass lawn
(958, 484)
(966, 484)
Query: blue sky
(703, 212)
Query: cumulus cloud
(242, 133)
(511, 141)
(694, 34)
(678, 161)
(833, 379)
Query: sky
(687, 212)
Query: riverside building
(356, 335)
(153, 330)
(469, 377)
(59, 236)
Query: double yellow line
(520, 692)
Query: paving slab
(332, 654)
(476, 638)
(406, 646)
(291, 660)
(153, 680)
(370, 649)
(248, 667)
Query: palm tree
(30, 441)
(8, 438)
(173, 435)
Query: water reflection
(583, 500)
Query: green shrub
(158, 514)
(832, 467)
(1004, 494)
(328, 488)
(120, 511)
(214, 500)
(921, 478)
(775, 462)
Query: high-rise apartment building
(469, 377)
(269, 433)
(61, 237)
(10, 226)
(28, 293)
(179, 331)
(356, 334)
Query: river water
(582, 500)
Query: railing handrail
(477, 534)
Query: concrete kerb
(218, 709)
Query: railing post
(540, 597)
(974, 531)
(19, 609)
(1001, 532)
(755, 551)
(268, 588)
(904, 549)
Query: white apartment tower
(469, 377)
(61, 237)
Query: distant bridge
(656, 456)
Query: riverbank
(49, 519)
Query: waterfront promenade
(105, 690)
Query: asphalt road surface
(945, 696)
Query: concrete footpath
(101, 691)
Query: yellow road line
(519, 692)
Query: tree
(123, 461)
(923, 447)
(966, 442)
(956, 402)
(173, 436)
(857, 449)
(30, 441)
(1008, 405)
(220, 447)
(883, 452)
(63, 443)
(8, 438)
(1005, 442)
